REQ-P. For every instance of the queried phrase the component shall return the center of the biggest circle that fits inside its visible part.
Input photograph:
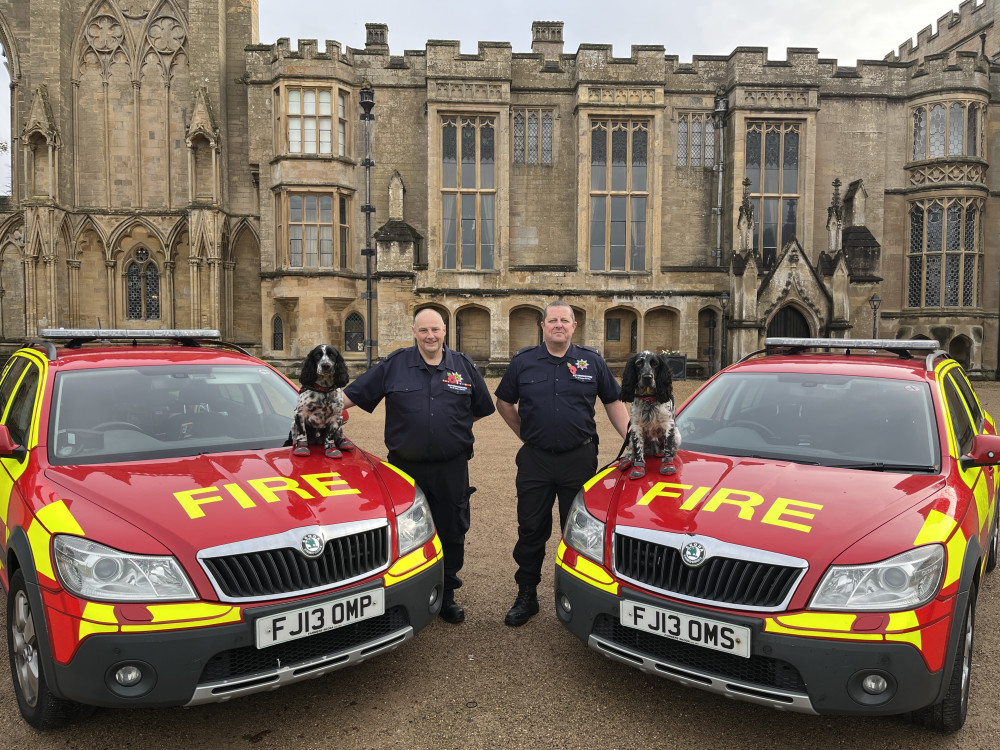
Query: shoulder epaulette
(589, 349)
(522, 351)
(392, 354)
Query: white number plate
(317, 618)
(700, 631)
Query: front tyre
(949, 714)
(39, 707)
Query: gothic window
(311, 239)
(772, 164)
(468, 192)
(533, 136)
(142, 287)
(619, 194)
(944, 258)
(309, 115)
(947, 129)
(354, 333)
(695, 140)
(277, 334)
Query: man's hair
(559, 303)
(427, 309)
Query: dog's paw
(638, 471)
(346, 445)
(300, 449)
(333, 452)
(624, 463)
(667, 467)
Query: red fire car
(821, 546)
(162, 547)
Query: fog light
(874, 684)
(128, 675)
(435, 595)
(564, 603)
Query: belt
(559, 453)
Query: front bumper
(808, 675)
(212, 664)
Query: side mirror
(985, 451)
(7, 445)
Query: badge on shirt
(456, 383)
(576, 370)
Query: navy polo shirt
(556, 395)
(429, 409)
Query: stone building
(170, 170)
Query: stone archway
(789, 322)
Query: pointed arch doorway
(788, 322)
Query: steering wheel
(757, 427)
(116, 426)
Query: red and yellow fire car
(821, 546)
(162, 547)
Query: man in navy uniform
(547, 398)
(432, 395)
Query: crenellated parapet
(956, 30)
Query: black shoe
(525, 607)
(450, 611)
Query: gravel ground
(484, 685)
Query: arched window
(354, 333)
(277, 334)
(142, 287)
(944, 259)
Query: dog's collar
(648, 399)
(319, 388)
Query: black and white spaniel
(648, 386)
(320, 408)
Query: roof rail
(904, 348)
(48, 346)
(77, 337)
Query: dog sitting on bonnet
(319, 411)
(647, 384)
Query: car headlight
(415, 525)
(92, 571)
(906, 581)
(583, 532)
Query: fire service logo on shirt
(456, 383)
(576, 370)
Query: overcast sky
(847, 30)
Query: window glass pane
(486, 231)
(325, 136)
(619, 158)
(152, 292)
(325, 103)
(769, 231)
(518, 138)
(971, 146)
(956, 129)
(294, 135)
(682, 141)
(546, 138)
(486, 156)
(448, 224)
(952, 272)
(915, 282)
(341, 106)
(308, 102)
(932, 282)
(916, 229)
(954, 229)
(326, 246)
(597, 225)
(618, 233)
(295, 207)
(755, 202)
(637, 254)
(468, 156)
(969, 281)
(753, 159)
(696, 147)
(326, 209)
(311, 204)
(294, 102)
(613, 329)
(789, 209)
(295, 246)
(531, 149)
(342, 139)
(345, 244)
(133, 290)
(937, 131)
(790, 166)
(277, 334)
(639, 139)
(970, 229)
(709, 142)
(309, 135)
(468, 231)
(934, 229)
(772, 159)
(311, 245)
(449, 154)
(598, 158)
(919, 134)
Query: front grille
(757, 670)
(287, 571)
(723, 580)
(247, 661)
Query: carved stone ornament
(166, 35)
(135, 8)
(934, 174)
(620, 95)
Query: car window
(834, 420)
(10, 379)
(22, 407)
(131, 413)
(961, 422)
(965, 388)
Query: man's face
(558, 326)
(429, 331)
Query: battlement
(956, 31)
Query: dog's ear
(308, 374)
(340, 375)
(630, 379)
(664, 380)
